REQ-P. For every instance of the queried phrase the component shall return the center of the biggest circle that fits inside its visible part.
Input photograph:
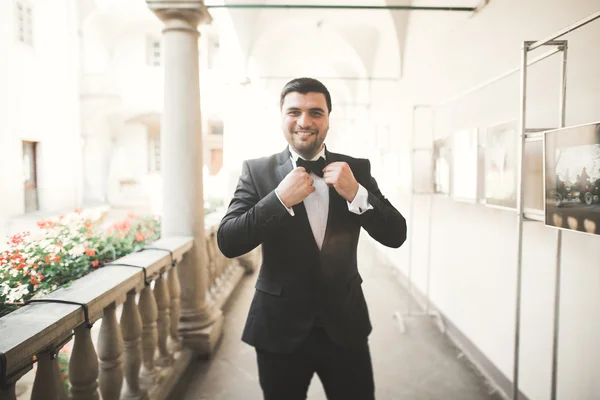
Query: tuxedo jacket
(298, 282)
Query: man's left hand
(340, 176)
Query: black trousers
(346, 373)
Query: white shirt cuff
(360, 204)
(290, 210)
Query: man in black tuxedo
(306, 207)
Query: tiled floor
(417, 364)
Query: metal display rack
(528, 135)
(525, 135)
(428, 311)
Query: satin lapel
(336, 205)
(301, 217)
(285, 165)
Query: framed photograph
(442, 166)
(465, 152)
(500, 168)
(572, 178)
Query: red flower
(90, 252)
(57, 259)
(95, 263)
(78, 210)
(47, 259)
(16, 240)
(45, 224)
(139, 236)
(33, 280)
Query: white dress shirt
(317, 203)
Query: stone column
(200, 324)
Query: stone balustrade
(140, 355)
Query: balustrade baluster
(48, 383)
(131, 327)
(211, 267)
(149, 313)
(175, 292)
(161, 293)
(83, 367)
(110, 349)
(213, 250)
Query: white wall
(473, 248)
(140, 85)
(39, 102)
(7, 35)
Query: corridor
(419, 364)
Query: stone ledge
(36, 327)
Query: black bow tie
(316, 167)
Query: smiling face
(305, 122)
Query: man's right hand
(295, 187)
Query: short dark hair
(304, 86)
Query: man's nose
(304, 121)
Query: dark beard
(309, 151)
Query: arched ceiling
(358, 31)
(367, 31)
(337, 46)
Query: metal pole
(411, 209)
(568, 29)
(430, 222)
(555, 337)
(520, 187)
(340, 7)
(556, 315)
(428, 265)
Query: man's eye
(316, 114)
(293, 113)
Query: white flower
(17, 293)
(4, 288)
(77, 251)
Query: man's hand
(340, 176)
(295, 187)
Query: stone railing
(138, 356)
(223, 274)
